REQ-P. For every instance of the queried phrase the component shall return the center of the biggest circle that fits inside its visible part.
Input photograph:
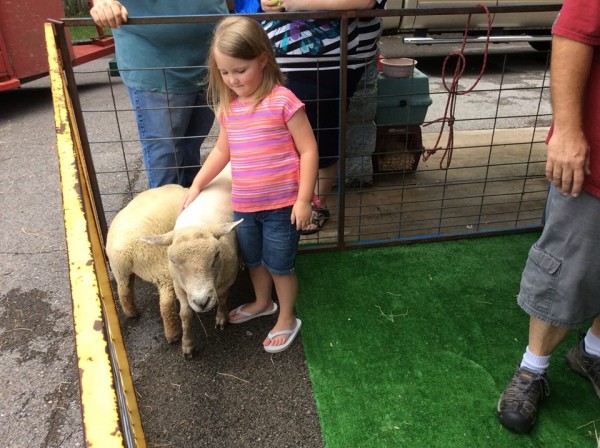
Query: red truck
(23, 54)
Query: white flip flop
(249, 316)
(279, 348)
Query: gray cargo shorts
(560, 284)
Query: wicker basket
(398, 149)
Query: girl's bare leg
(263, 287)
(286, 287)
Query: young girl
(266, 135)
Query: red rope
(453, 92)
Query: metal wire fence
(417, 162)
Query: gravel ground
(232, 393)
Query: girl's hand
(189, 197)
(301, 214)
(272, 5)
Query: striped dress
(265, 164)
(314, 44)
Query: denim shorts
(561, 279)
(268, 238)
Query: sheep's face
(198, 257)
(195, 263)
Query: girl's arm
(214, 164)
(315, 5)
(306, 144)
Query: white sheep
(193, 257)
(152, 212)
(203, 255)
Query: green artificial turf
(411, 346)
(84, 33)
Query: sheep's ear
(224, 229)
(166, 239)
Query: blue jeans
(267, 238)
(171, 128)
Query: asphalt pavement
(39, 391)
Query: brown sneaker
(518, 405)
(585, 365)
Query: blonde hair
(242, 38)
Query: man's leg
(584, 357)
(163, 121)
(199, 119)
(558, 284)
(544, 338)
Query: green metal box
(402, 101)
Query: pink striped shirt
(265, 164)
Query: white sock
(592, 344)
(534, 363)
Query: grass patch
(84, 33)
(411, 346)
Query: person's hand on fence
(272, 5)
(315, 5)
(568, 160)
(108, 13)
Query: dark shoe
(319, 217)
(518, 405)
(585, 365)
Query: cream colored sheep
(193, 257)
(152, 212)
(203, 255)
